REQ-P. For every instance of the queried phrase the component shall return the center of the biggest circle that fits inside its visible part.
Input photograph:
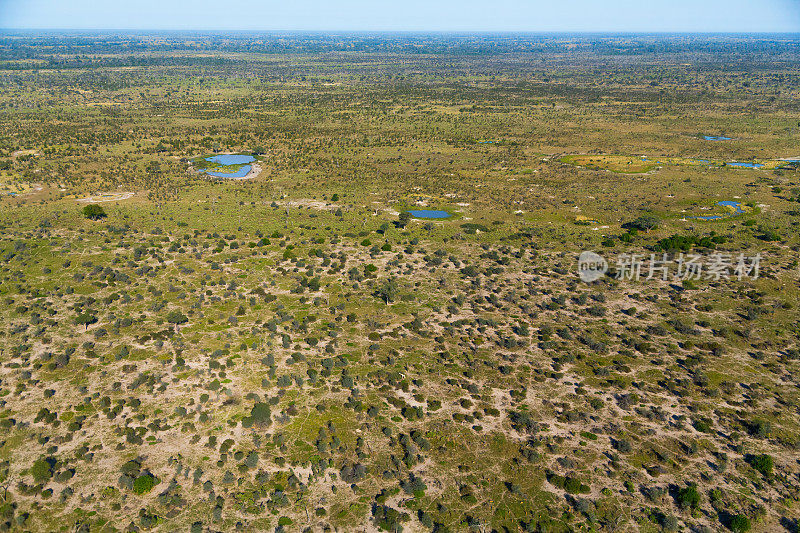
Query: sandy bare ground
(255, 171)
(20, 153)
(308, 203)
(106, 197)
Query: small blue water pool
(745, 165)
(735, 205)
(429, 213)
(240, 173)
(716, 138)
(231, 159)
(726, 203)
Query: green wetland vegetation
(297, 352)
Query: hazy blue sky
(441, 15)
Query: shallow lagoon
(231, 160)
(240, 173)
(429, 213)
(730, 203)
(708, 162)
(736, 206)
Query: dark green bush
(762, 463)
(93, 212)
(689, 497)
(144, 483)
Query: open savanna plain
(287, 352)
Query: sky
(408, 15)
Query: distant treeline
(114, 62)
(30, 46)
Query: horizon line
(418, 31)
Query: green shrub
(144, 483)
(703, 425)
(94, 212)
(522, 421)
(176, 317)
(42, 470)
(761, 429)
(572, 485)
(260, 415)
(85, 319)
(643, 223)
(131, 467)
(689, 497)
(770, 235)
(762, 463)
(740, 524)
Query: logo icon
(591, 266)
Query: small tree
(94, 212)
(689, 497)
(85, 319)
(740, 524)
(42, 470)
(762, 463)
(176, 318)
(260, 416)
(145, 483)
(643, 223)
(388, 290)
(403, 219)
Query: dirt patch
(255, 171)
(20, 153)
(106, 197)
(309, 203)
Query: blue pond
(735, 205)
(748, 165)
(429, 213)
(714, 138)
(231, 159)
(228, 160)
(726, 203)
(242, 172)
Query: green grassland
(287, 353)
